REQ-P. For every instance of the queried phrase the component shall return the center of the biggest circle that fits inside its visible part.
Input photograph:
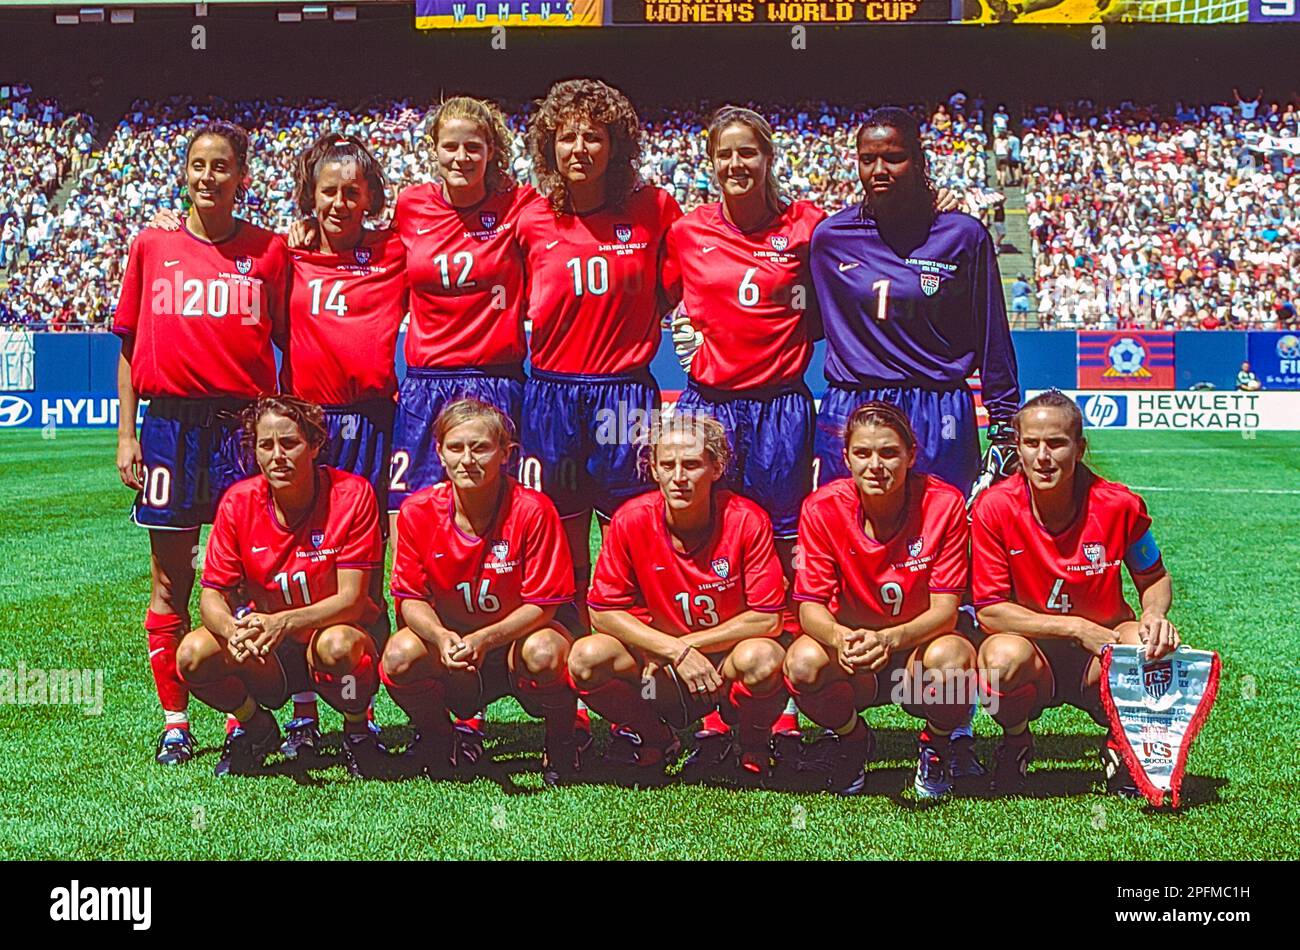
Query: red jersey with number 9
(472, 582)
(875, 584)
(675, 592)
(280, 567)
(1076, 572)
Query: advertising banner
(1125, 359)
(1185, 411)
(1275, 359)
(481, 14)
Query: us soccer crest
(243, 264)
(317, 538)
(362, 255)
(914, 547)
(623, 232)
(1094, 551)
(930, 284)
(1156, 679)
(779, 242)
(501, 549)
(721, 567)
(488, 219)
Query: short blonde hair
(708, 430)
(474, 410)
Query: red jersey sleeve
(127, 315)
(952, 566)
(764, 582)
(548, 568)
(363, 547)
(613, 585)
(223, 569)
(815, 576)
(278, 296)
(990, 563)
(410, 582)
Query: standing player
(592, 250)
(299, 542)
(197, 313)
(1047, 545)
(480, 568)
(912, 303)
(687, 598)
(882, 568)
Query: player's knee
(403, 649)
(805, 663)
(589, 660)
(339, 649)
(1012, 658)
(949, 653)
(758, 661)
(194, 654)
(544, 652)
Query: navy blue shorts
(420, 398)
(772, 441)
(361, 442)
(582, 436)
(947, 433)
(192, 454)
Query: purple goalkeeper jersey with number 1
(927, 317)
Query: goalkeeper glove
(1000, 459)
(686, 339)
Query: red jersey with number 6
(875, 584)
(279, 566)
(748, 293)
(344, 313)
(201, 315)
(676, 592)
(473, 582)
(593, 283)
(1076, 572)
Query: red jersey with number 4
(344, 313)
(279, 567)
(201, 314)
(1076, 572)
(472, 582)
(876, 584)
(593, 283)
(466, 275)
(675, 592)
(749, 294)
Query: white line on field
(1220, 491)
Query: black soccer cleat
(301, 737)
(1011, 764)
(841, 759)
(1119, 780)
(175, 746)
(247, 747)
(468, 746)
(431, 755)
(712, 750)
(365, 756)
(963, 763)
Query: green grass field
(74, 583)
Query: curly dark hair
(909, 130)
(596, 102)
(333, 147)
(235, 137)
(308, 416)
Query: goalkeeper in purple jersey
(911, 300)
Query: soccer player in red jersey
(687, 600)
(1047, 545)
(296, 543)
(198, 310)
(481, 566)
(882, 566)
(592, 249)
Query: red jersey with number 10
(280, 568)
(593, 283)
(473, 582)
(875, 584)
(675, 592)
(201, 314)
(1076, 572)
(749, 294)
(344, 313)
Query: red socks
(423, 701)
(619, 700)
(164, 632)
(350, 692)
(756, 713)
(829, 707)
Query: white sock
(175, 718)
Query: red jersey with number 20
(749, 294)
(344, 313)
(201, 314)
(473, 582)
(281, 567)
(875, 584)
(1076, 572)
(675, 592)
(593, 283)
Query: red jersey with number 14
(279, 567)
(201, 314)
(675, 592)
(593, 283)
(749, 294)
(344, 313)
(472, 582)
(875, 584)
(1076, 572)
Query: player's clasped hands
(460, 653)
(863, 650)
(256, 635)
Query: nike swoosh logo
(1016, 551)
(170, 263)
(154, 653)
(552, 244)
(257, 550)
(658, 568)
(848, 265)
(437, 556)
(705, 250)
(423, 230)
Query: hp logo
(1100, 411)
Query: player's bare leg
(826, 694)
(539, 669)
(171, 568)
(1017, 684)
(755, 697)
(609, 679)
(412, 673)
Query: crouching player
(1047, 545)
(881, 568)
(686, 600)
(480, 568)
(299, 541)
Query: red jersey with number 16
(344, 313)
(281, 567)
(1076, 572)
(472, 582)
(875, 584)
(675, 592)
(593, 283)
